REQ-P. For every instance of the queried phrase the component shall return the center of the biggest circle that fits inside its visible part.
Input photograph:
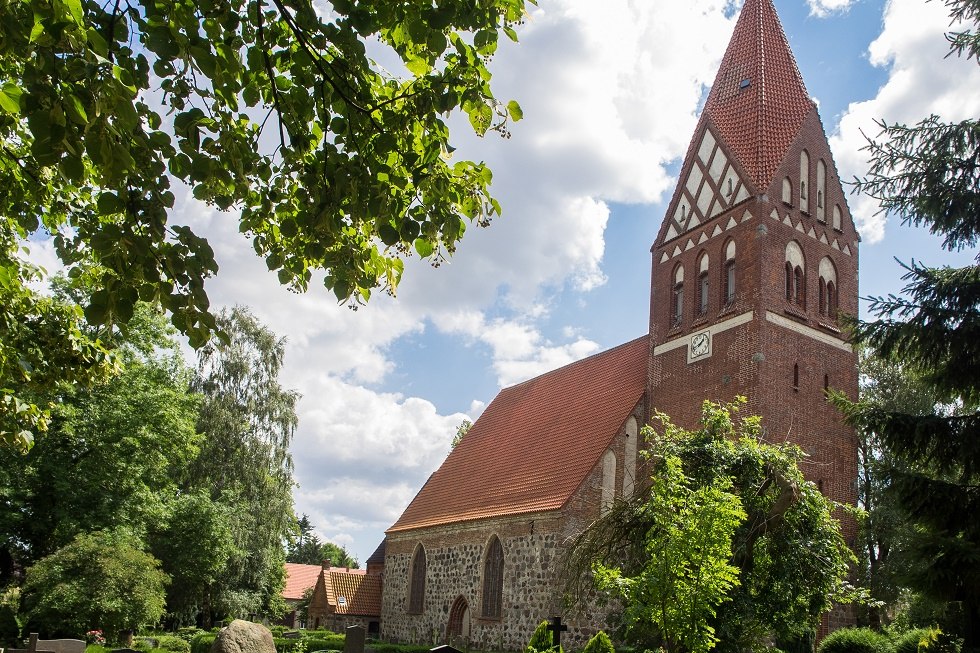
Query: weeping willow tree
(248, 420)
(727, 546)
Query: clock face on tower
(700, 346)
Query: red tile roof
(298, 579)
(760, 120)
(535, 443)
(361, 592)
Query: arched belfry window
(821, 190)
(677, 303)
(703, 284)
(787, 191)
(416, 585)
(493, 579)
(804, 180)
(728, 281)
(795, 274)
(828, 287)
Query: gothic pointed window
(608, 494)
(677, 303)
(629, 463)
(821, 190)
(790, 284)
(800, 281)
(703, 284)
(804, 180)
(416, 586)
(493, 580)
(729, 272)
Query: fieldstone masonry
(532, 544)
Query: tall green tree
(248, 420)
(718, 489)
(927, 174)
(275, 110)
(113, 455)
(307, 548)
(195, 544)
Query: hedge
(384, 647)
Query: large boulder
(244, 637)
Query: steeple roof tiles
(535, 443)
(758, 101)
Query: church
(756, 258)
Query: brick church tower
(756, 259)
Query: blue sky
(610, 98)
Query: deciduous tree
(247, 419)
(101, 580)
(714, 490)
(275, 110)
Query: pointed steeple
(758, 101)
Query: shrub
(9, 629)
(384, 647)
(908, 642)
(174, 644)
(201, 643)
(541, 640)
(187, 633)
(600, 643)
(325, 641)
(855, 640)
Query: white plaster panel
(807, 331)
(682, 341)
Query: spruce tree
(928, 174)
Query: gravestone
(354, 639)
(31, 646)
(292, 634)
(62, 645)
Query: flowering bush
(95, 637)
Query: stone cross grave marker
(557, 628)
(354, 639)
